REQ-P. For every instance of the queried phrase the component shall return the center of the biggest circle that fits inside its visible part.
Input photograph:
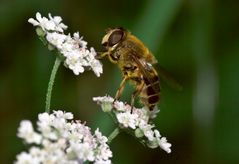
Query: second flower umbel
(136, 121)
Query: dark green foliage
(195, 40)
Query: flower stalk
(51, 83)
(113, 135)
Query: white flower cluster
(136, 120)
(73, 48)
(61, 140)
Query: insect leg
(136, 92)
(121, 88)
(101, 55)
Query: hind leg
(137, 91)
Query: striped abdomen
(150, 94)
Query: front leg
(101, 55)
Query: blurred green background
(196, 40)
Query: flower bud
(106, 107)
(40, 32)
(152, 144)
(139, 133)
(50, 47)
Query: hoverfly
(136, 63)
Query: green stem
(51, 83)
(113, 134)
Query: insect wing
(168, 78)
(149, 73)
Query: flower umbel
(73, 49)
(61, 140)
(136, 121)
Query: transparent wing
(168, 78)
(149, 73)
(164, 75)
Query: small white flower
(120, 106)
(42, 22)
(100, 138)
(84, 151)
(26, 132)
(54, 24)
(103, 152)
(25, 158)
(162, 142)
(147, 129)
(104, 99)
(79, 40)
(102, 162)
(105, 102)
(74, 63)
(64, 115)
(165, 145)
(56, 39)
(157, 133)
(94, 64)
(127, 119)
(44, 123)
(59, 25)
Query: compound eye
(115, 37)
